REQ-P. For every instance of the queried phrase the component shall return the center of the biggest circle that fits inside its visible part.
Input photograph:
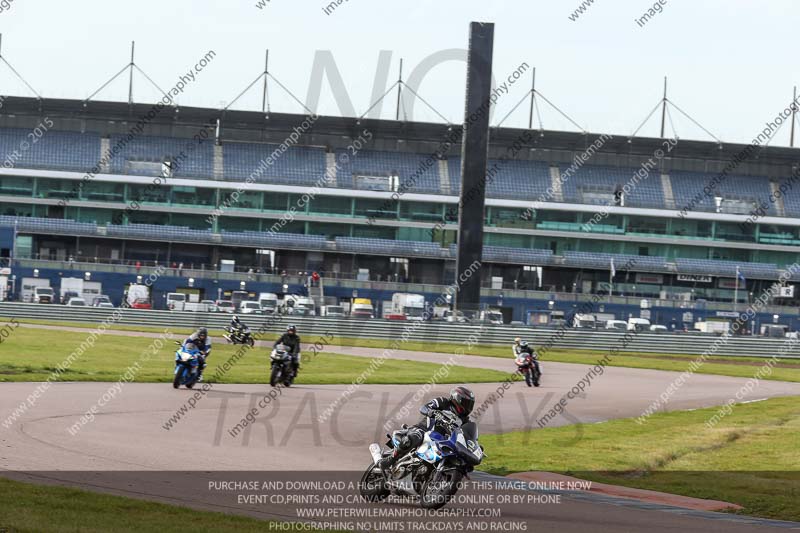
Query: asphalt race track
(130, 448)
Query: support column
(474, 158)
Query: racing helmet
(517, 340)
(523, 344)
(202, 332)
(235, 318)
(463, 400)
(291, 328)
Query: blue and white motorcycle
(187, 363)
(433, 471)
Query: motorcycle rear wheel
(251, 341)
(372, 486)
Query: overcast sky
(730, 63)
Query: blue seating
(59, 150)
(742, 191)
(602, 261)
(512, 178)
(278, 240)
(592, 184)
(161, 233)
(49, 225)
(522, 256)
(716, 267)
(362, 245)
(197, 163)
(417, 172)
(299, 165)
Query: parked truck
(638, 324)
(333, 311)
(298, 305)
(176, 301)
(80, 288)
(269, 302)
(37, 290)
(718, 327)
(584, 321)
(411, 306)
(361, 308)
(137, 293)
(491, 316)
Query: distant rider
(526, 357)
(200, 340)
(292, 342)
(460, 402)
(237, 326)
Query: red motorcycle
(528, 365)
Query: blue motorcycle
(186, 368)
(448, 453)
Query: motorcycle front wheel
(176, 381)
(372, 486)
(439, 488)
(274, 375)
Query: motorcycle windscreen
(470, 430)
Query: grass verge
(29, 508)
(750, 457)
(786, 370)
(33, 354)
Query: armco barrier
(310, 327)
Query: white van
(619, 325)
(249, 308)
(176, 301)
(638, 324)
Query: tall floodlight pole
(130, 79)
(264, 94)
(794, 113)
(399, 90)
(474, 158)
(533, 100)
(664, 108)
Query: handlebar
(447, 417)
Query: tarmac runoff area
(130, 449)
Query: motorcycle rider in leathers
(292, 342)
(460, 402)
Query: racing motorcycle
(433, 471)
(239, 336)
(532, 372)
(281, 366)
(186, 368)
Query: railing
(311, 328)
(338, 279)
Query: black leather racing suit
(238, 327)
(415, 434)
(528, 350)
(292, 343)
(205, 351)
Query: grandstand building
(372, 206)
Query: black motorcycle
(239, 336)
(281, 367)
